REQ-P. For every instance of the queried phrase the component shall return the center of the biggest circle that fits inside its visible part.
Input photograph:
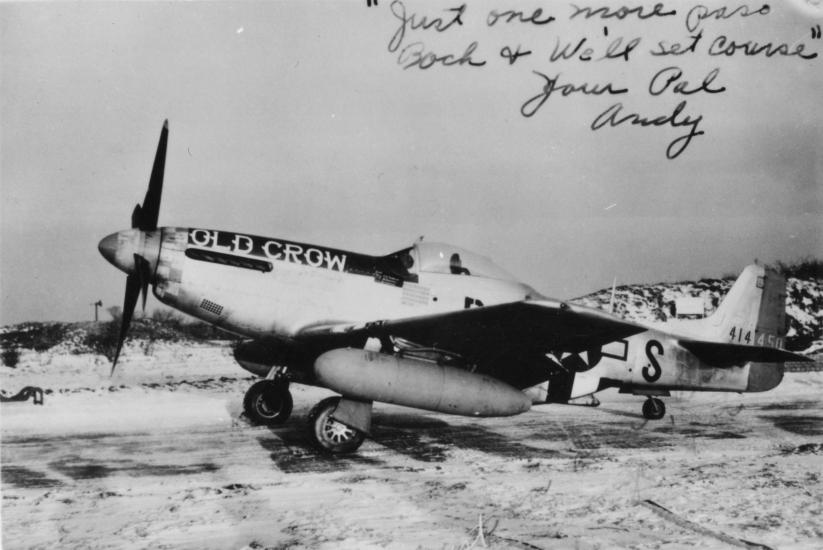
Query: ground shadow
(25, 478)
(801, 425)
(419, 437)
(83, 468)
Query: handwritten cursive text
(551, 85)
(613, 117)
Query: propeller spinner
(135, 251)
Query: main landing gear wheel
(268, 402)
(329, 434)
(654, 409)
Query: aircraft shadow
(419, 437)
(432, 440)
(618, 412)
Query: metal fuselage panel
(295, 286)
(654, 363)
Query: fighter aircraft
(430, 326)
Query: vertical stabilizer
(753, 312)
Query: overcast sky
(292, 119)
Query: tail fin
(753, 312)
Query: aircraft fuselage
(655, 363)
(262, 287)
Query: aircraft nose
(108, 248)
(119, 249)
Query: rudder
(753, 312)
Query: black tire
(654, 409)
(330, 435)
(268, 403)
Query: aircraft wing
(721, 354)
(509, 341)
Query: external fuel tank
(373, 376)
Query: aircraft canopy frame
(443, 258)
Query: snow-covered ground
(159, 457)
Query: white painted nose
(119, 248)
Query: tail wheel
(329, 434)
(268, 402)
(654, 409)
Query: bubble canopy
(432, 257)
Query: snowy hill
(653, 302)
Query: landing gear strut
(268, 402)
(329, 434)
(654, 409)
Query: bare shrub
(11, 357)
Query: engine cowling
(374, 376)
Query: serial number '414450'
(738, 335)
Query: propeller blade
(150, 210)
(136, 216)
(130, 300)
(142, 269)
(143, 217)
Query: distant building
(690, 308)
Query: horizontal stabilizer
(727, 355)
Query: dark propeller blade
(143, 217)
(142, 269)
(136, 216)
(132, 292)
(150, 210)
